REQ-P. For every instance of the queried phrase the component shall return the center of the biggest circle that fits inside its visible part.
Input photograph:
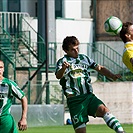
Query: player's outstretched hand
(22, 124)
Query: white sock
(112, 122)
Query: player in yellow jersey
(126, 34)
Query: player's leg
(110, 120)
(78, 108)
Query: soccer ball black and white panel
(113, 25)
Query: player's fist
(22, 124)
(65, 65)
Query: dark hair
(124, 30)
(69, 40)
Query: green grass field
(68, 129)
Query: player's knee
(101, 111)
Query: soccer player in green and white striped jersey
(73, 70)
(9, 89)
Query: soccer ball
(113, 25)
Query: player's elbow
(58, 76)
(24, 99)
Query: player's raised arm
(61, 72)
(104, 71)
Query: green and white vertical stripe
(76, 79)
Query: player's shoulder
(60, 60)
(84, 56)
(9, 81)
(6, 80)
(64, 58)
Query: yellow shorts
(127, 55)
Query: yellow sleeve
(127, 55)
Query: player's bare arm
(22, 124)
(61, 72)
(104, 71)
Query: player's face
(130, 30)
(73, 51)
(1, 68)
